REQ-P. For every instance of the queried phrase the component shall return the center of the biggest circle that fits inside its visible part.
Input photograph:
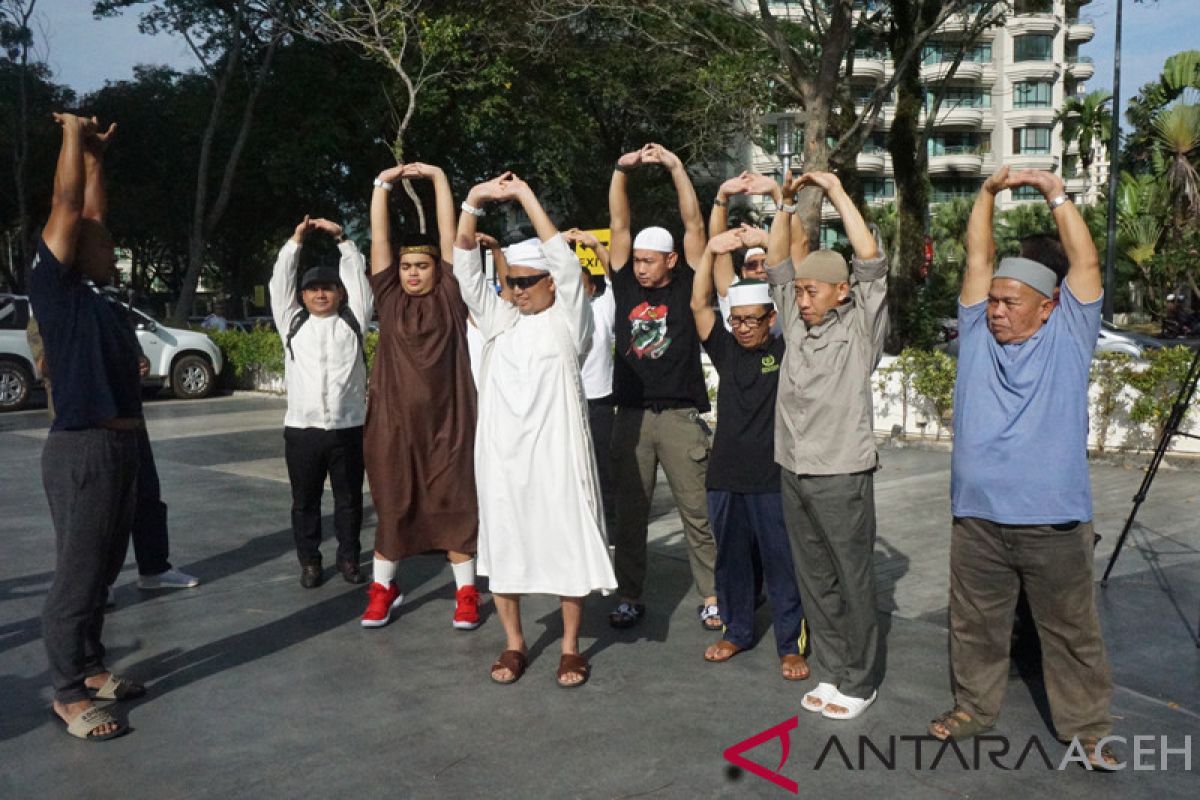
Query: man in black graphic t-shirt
(658, 387)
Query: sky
(84, 53)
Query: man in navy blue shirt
(90, 460)
(1019, 490)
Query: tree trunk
(205, 220)
(24, 243)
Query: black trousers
(312, 454)
(601, 415)
(89, 477)
(150, 544)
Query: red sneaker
(381, 601)
(466, 608)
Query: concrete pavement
(261, 688)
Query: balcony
(1044, 161)
(1039, 116)
(1077, 184)
(963, 160)
(958, 116)
(1080, 29)
(937, 70)
(1080, 67)
(871, 161)
(1032, 71)
(1021, 24)
(869, 65)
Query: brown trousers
(989, 563)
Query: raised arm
(381, 223)
(860, 236)
(351, 270)
(1083, 273)
(498, 261)
(575, 236)
(718, 218)
(694, 240)
(621, 241)
(981, 244)
(282, 286)
(702, 283)
(491, 313)
(443, 200)
(95, 198)
(66, 206)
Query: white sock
(464, 573)
(384, 571)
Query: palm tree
(1177, 130)
(1085, 121)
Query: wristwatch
(788, 209)
(1058, 201)
(472, 210)
(387, 187)
(717, 201)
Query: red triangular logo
(734, 754)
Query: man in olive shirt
(834, 325)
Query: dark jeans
(745, 525)
(601, 414)
(90, 480)
(989, 563)
(312, 454)
(831, 523)
(150, 544)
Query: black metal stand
(1187, 389)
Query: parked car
(186, 362)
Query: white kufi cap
(654, 238)
(750, 293)
(527, 254)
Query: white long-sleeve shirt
(324, 372)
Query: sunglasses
(525, 281)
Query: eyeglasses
(525, 281)
(747, 322)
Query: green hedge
(251, 355)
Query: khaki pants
(831, 526)
(988, 565)
(679, 440)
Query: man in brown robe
(420, 430)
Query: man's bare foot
(69, 711)
(510, 666)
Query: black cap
(327, 276)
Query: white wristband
(472, 210)
(788, 209)
(387, 187)
(1058, 201)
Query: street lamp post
(1114, 160)
(783, 141)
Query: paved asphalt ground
(259, 688)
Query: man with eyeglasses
(744, 502)
(541, 524)
(834, 322)
(659, 388)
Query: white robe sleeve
(282, 288)
(492, 314)
(569, 293)
(352, 271)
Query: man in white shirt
(597, 371)
(326, 377)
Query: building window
(1031, 141)
(1026, 193)
(832, 235)
(875, 143)
(1070, 168)
(942, 52)
(1034, 47)
(1032, 94)
(959, 97)
(878, 189)
(950, 144)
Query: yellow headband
(419, 249)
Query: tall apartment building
(998, 108)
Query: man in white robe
(541, 523)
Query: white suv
(185, 361)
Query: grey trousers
(831, 525)
(90, 479)
(988, 565)
(679, 440)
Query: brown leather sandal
(795, 663)
(512, 660)
(723, 651)
(572, 664)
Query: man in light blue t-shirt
(1019, 489)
